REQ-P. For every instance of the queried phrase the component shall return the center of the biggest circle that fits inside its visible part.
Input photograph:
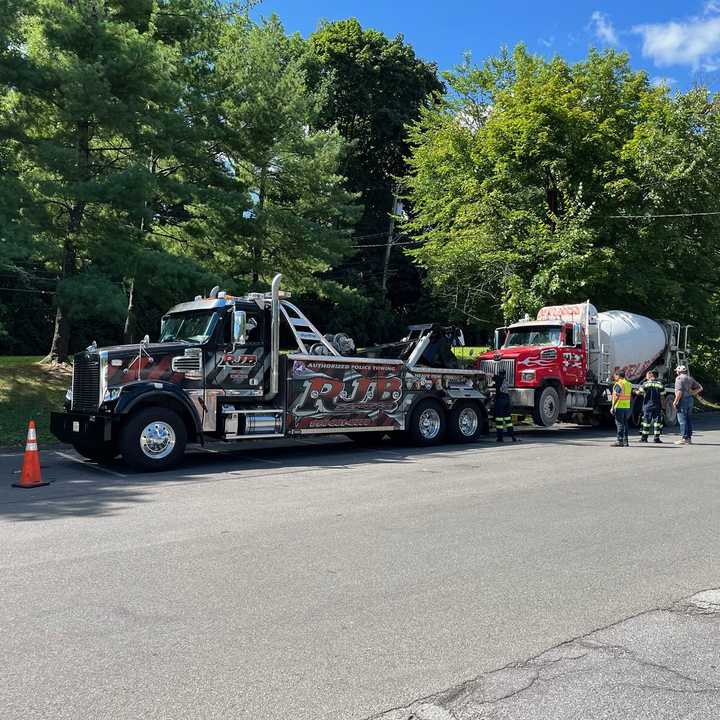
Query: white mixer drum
(634, 342)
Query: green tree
(371, 87)
(96, 109)
(524, 180)
(283, 206)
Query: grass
(29, 391)
(467, 354)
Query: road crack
(586, 655)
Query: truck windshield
(194, 327)
(533, 336)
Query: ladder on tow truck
(303, 330)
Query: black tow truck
(218, 374)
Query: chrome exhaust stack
(274, 338)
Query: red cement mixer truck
(559, 366)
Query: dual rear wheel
(429, 423)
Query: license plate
(76, 426)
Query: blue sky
(677, 41)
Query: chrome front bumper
(522, 397)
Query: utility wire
(34, 292)
(665, 215)
(395, 244)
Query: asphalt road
(325, 581)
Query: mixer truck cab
(560, 365)
(543, 360)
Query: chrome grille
(493, 367)
(190, 363)
(86, 382)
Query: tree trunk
(60, 345)
(257, 245)
(127, 332)
(59, 349)
(388, 247)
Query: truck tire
(547, 406)
(427, 423)
(103, 453)
(466, 422)
(153, 439)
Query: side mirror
(238, 329)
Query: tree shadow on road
(82, 489)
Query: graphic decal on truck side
(327, 394)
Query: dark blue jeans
(684, 413)
(622, 416)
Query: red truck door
(573, 367)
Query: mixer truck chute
(560, 365)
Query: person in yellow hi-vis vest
(620, 408)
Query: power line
(395, 244)
(366, 237)
(34, 292)
(665, 215)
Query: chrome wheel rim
(549, 407)
(429, 423)
(157, 440)
(468, 422)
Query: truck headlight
(112, 394)
(527, 375)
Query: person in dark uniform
(652, 393)
(503, 414)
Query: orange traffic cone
(30, 476)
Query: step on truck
(560, 365)
(218, 374)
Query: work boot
(657, 440)
(643, 438)
(499, 439)
(617, 443)
(516, 439)
(626, 443)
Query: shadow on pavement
(79, 488)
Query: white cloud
(603, 28)
(688, 42)
(659, 80)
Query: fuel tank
(633, 342)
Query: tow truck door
(242, 363)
